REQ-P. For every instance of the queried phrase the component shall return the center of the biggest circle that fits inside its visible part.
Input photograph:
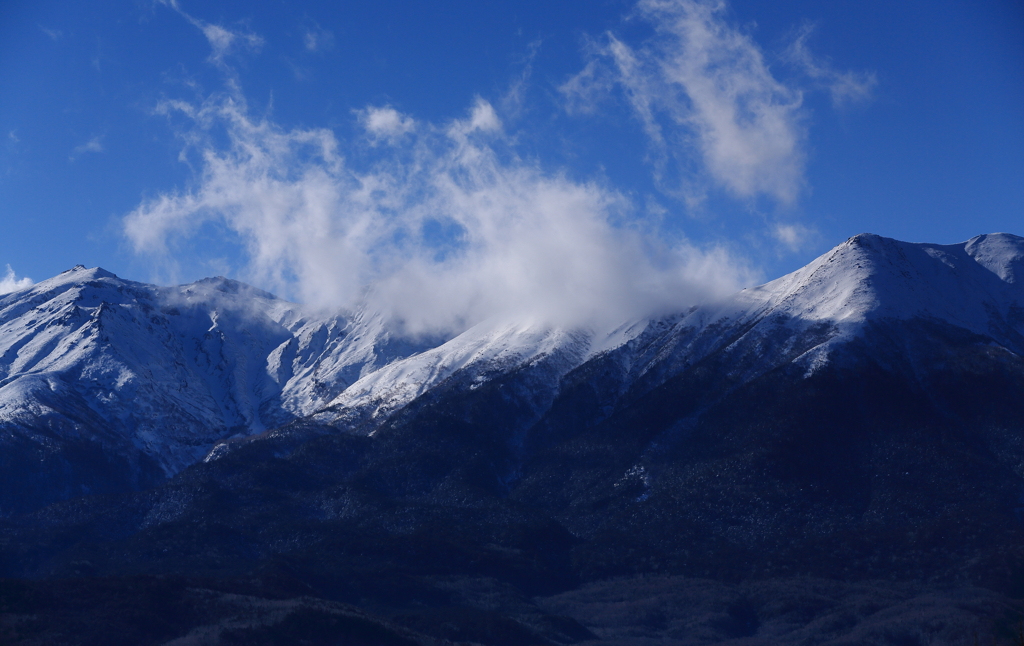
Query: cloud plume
(11, 283)
(442, 228)
(845, 88)
(223, 41)
(439, 225)
(707, 100)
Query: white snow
(173, 370)
(488, 349)
(867, 278)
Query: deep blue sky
(930, 149)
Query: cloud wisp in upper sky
(222, 41)
(845, 88)
(708, 101)
(315, 38)
(94, 145)
(385, 124)
(53, 34)
(442, 225)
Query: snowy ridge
(798, 318)
(168, 372)
(484, 351)
(870, 277)
(325, 357)
(804, 316)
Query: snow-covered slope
(169, 371)
(485, 351)
(163, 374)
(868, 277)
(803, 318)
(807, 317)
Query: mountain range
(836, 456)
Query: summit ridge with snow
(836, 456)
(154, 377)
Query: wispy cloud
(513, 102)
(96, 60)
(54, 34)
(316, 39)
(94, 145)
(440, 231)
(844, 87)
(444, 226)
(482, 118)
(11, 283)
(792, 236)
(584, 91)
(706, 99)
(223, 41)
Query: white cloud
(11, 283)
(482, 118)
(443, 228)
(703, 91)
(638, 87)
(94, 145)
(222, 41)
(844, 87)
(310, 40)
(791, 236)
(385, 123)
(513, 102)
(439, 232)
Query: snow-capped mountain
(154, 377)
(807, 317)
(802, 317)
(804, 320)
(484, 352)
(859, 420)
(151, 377)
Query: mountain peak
(218, 358)
(82, 272)
(1000, 253)
(228, 286)
(871, 277)
(74, 278)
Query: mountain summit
(750, 469)
(107, 384)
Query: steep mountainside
(808, 317)
(107, 384)
(834, 457)
(803, 321)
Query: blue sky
(434, 153)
